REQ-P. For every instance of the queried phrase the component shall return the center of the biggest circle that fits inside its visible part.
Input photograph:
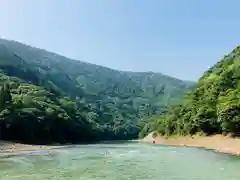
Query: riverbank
(10, 147)
(219, 143)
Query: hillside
(112, 101)
(213, 106)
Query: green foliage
(31, 114)
(56, 99)
(213, 106)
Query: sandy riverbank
(218, 143)
(8, 147)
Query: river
(120, 161)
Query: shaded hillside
(114, 101)
(213, 106)
(30, 114)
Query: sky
(180, 38)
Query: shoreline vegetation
(65, 101)
(209, 115)
(47, 98)
(218, 143)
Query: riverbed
(120, 161)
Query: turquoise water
(121, 161)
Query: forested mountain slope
(213, 106)
(111, 101)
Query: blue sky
(181, 38)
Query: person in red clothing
(153, 141)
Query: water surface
(121, 161)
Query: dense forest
(48, 98)
(212, 107)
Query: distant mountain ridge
(115, 100)
(13, 44)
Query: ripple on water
(133, 161)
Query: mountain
(109, 101)
(213, 106)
